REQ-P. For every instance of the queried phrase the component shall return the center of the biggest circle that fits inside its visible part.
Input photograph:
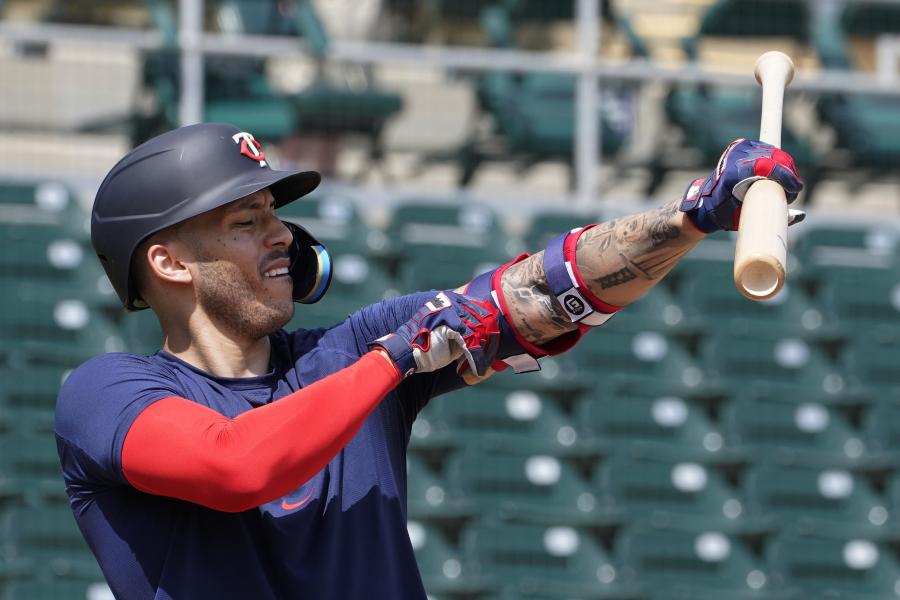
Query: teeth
(276, 272)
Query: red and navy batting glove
(447, 327)
(714, 203)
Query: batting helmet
(186, 172)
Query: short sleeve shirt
(341, 535)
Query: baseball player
(244, 461)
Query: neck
(204, 345)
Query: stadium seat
(56, 590)
(823, 501)
(855, 568)
(549, 561)
(417, 223)
(650, 426)
(546, 225)
(821, 247)
(881, 432)
(538, 488)
(30, 463)
(427, 496)
(871, 363)
(51, 322)
(769, 364)
(532, 114)
(52, 255)
(665, 492)
(715, 302)
(657, 311)
(865, 126)
(861, 298)
(32, 386)
(48, 201)
(607, 358)
(334, 220)
(693, 565)
(443, 568)
(792, 432)
(357, 281)
(514, 420)
(51, 538)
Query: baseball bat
(761, 252)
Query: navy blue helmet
(183, 173)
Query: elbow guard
(561, 270)
(514, 350)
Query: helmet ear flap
(310, 265)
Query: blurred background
(698, 446)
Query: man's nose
(280, 234)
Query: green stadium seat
(56, 590)
(30, 463)
(865, 127)
(657, 311)
(549, 561)
(650, 426)
(32, 386)
(769, 364)
(695, 565)
(514, 420)
(607, 358)
(28, 200)
(430, 268)
(715, 302)
(357, 281)
(862, 299)
(821, 247)
(546, 225)
(819, 567)
(51, 538)
(537, 488)
(335, 221)
(788, 432)
(427, 496)
(50, 254)
(671, 493)
(824, 501)
(417, 223)
(443, 568)
(881, 432)
(49, 322)
(871, 363)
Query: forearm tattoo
(625, 257)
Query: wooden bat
(761, 251)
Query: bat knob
(774, 66)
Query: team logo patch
(250, 147)
(574, 304)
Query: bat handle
(761, 252)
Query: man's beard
(231, 301)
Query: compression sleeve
(184, 450)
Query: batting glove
(446, 328)
(714, 203)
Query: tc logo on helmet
(250, 147)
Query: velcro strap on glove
(514, 350)
(561, 270)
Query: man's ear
(165, 262)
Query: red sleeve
(182, 449)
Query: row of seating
(503, 559)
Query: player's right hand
(448, 327)
(714, 203)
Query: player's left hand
(714, 203)
(446, 328)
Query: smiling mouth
(276, 273)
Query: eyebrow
(249, 203)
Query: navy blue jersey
(340, 535)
